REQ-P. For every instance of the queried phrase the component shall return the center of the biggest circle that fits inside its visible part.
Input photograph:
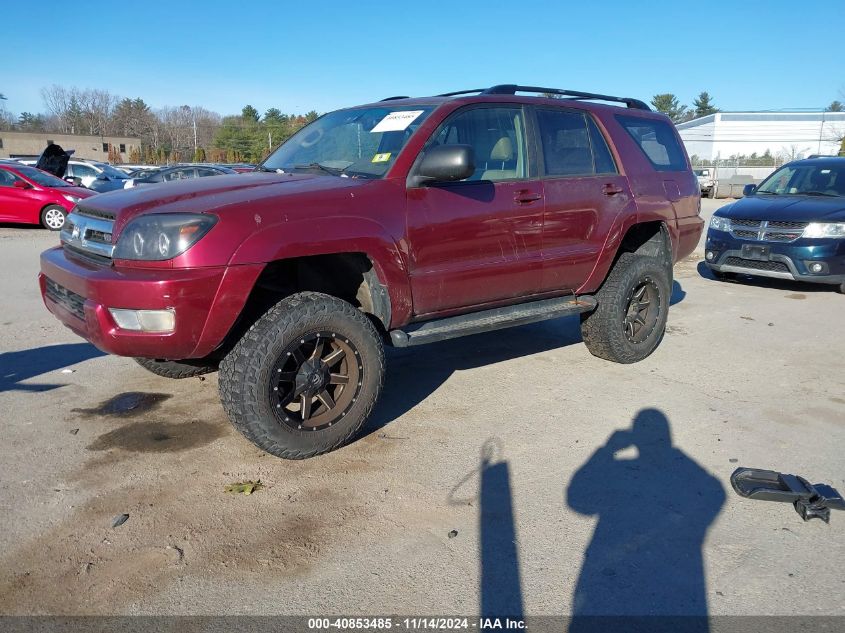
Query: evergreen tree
(668, 104)
(703, 105)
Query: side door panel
(584, 193)
(477, 241)
(17, 205)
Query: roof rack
(509, 89)
(462, 92)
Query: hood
(54, 160)
(219, 194)
(787, 208)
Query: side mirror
(22, 184)
(446, 163)
(749, 190)
(102, 176)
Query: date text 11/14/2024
(416, 623)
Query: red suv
(396, 223)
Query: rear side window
(566, 143)
(657, 141)
(601, 153)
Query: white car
(92, 174)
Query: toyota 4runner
(396, 223)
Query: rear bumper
(785, 261)
(206, 301)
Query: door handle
(611, 190)
(526, 197)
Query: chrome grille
(71, 301)
(767, 230)
(89, 232)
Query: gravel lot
(519, 443)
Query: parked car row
(43, 191)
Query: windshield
(818, 179)
(357, 143)
(111, 172)
(41, 177)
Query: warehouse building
(31, 144)
(784, 135)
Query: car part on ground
(400, 222)
(811, 501)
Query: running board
(487, 320)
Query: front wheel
(633, 305)
(305, 377)
(53, 217)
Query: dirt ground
(509, 470)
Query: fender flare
(390, 290)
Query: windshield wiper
(820, 193)
(267, 169)
(328, 170)
(768, 193)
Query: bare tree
(57, 101)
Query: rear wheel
(176, 369)
(633, 304)
(304, 377)
(842, 288)
(53, 217)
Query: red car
(401, 222)
(31, 196)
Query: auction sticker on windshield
(397, 121)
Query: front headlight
(825, 229)
(720, 224)
(162, 236)
(70, 198)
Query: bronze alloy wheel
(315, 381)
(643, 310)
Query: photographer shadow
(654, 505)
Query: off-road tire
(246, 373)
(603, 329)
(175, 369)
(48, 214)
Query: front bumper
(206, 301)
(791, 260)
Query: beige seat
(502, 163)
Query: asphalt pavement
(504, 472)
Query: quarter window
(601, 153)
(657, 141)
(497, 137)
(566, 143)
